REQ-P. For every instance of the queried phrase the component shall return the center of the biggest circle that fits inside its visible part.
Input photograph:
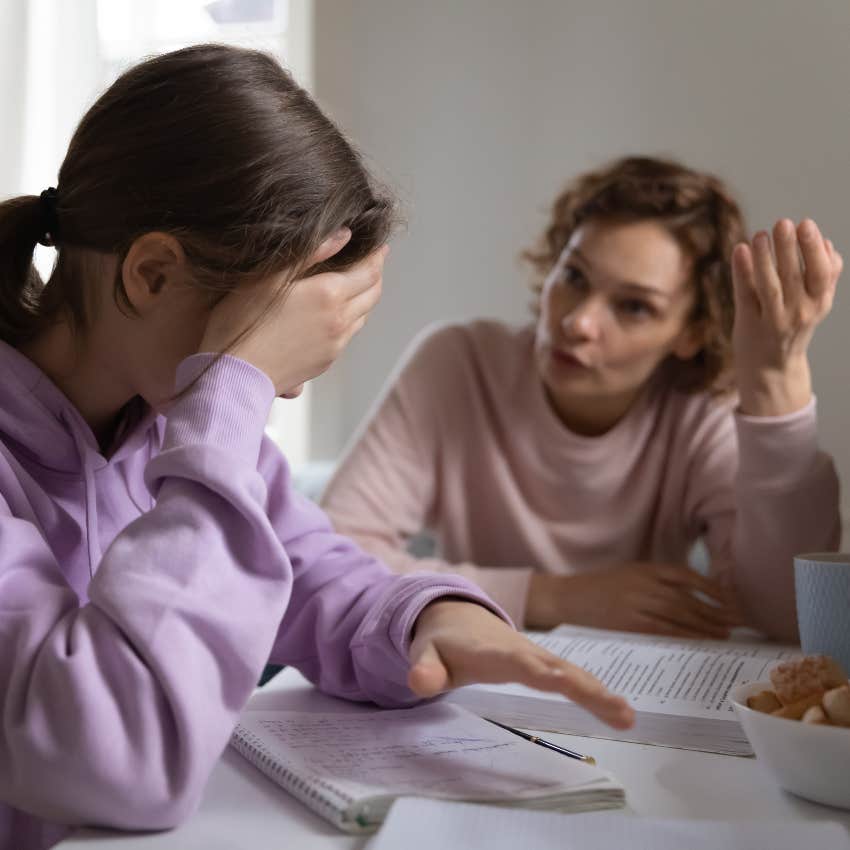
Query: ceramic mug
(822, 582)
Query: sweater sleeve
(764, 492)
(115, 712)
(385, 489)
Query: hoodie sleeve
(114, 713)
(348, 623)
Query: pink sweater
(465, 443)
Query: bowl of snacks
(799, 726)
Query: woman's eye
(635, 308)
(573, 278)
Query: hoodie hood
(40, 427)
(37, 419)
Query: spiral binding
(321, 796)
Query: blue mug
(822, 583)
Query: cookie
(765, 701)
(796, 679)
(836, 704)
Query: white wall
(478, 110)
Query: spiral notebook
(350, 766)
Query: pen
(548, 744)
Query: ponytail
(21, 228)
(215, 145)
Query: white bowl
(808, 760)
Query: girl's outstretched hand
(297, 338)
(778, 303)
(458, 643)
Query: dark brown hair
(697, 209)
(215, 145)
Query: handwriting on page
(429, 749)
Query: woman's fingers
(679, 597)
(743, 280)
(835, 258)
(684, 576)
(656, 625)
(768, 287)
(788, 261)
(688, 612)
(818, 275)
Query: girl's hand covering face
(780, 297)
(458, 643)
(297, 338)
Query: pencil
(535, 739)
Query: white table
(242, 809)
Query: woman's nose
(584, 320)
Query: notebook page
(435, 750)
(683, 678)
(465, 825)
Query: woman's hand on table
(649, 597)
(460, 643)
(780, 298)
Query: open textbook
(349, 763)
(678, 688)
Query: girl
(153, 556)
(568, 466)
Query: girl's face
(615, 305)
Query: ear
(154, 267)
(689, 342)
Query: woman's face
(614, 306)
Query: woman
(569, 466)
(218, 243)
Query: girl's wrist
(776, 392)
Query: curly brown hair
(697, 209)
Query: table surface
(243, 809)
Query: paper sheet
(465, 825)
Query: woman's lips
(566, 360)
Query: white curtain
(49, 73)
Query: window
(131, 29)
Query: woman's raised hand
(780, 297)
(297, 338)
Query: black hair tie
(49, 218)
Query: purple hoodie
(141, 595)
